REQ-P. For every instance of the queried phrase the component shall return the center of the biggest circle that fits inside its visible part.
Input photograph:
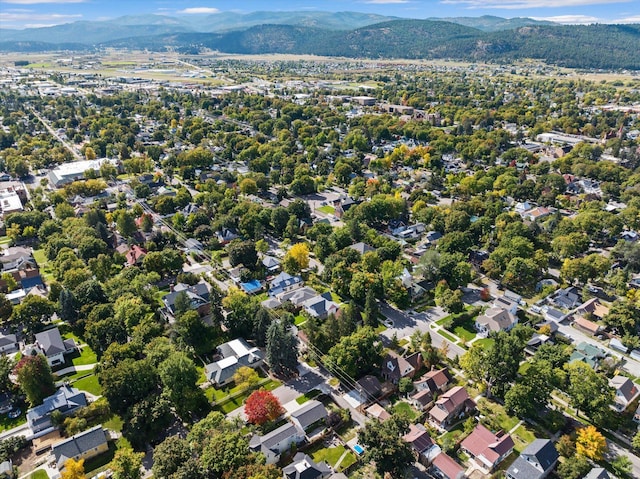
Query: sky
(37, 13)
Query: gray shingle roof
(313, 411)
(78, 445)
(532, 463)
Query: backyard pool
(358, 448)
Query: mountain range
(350, 34)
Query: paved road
(630, 365)
(617, 450)
(405, 324)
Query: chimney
(172, 288)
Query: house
(50, 344)
(593, 308)
(422, 400)
(234, 354)
(444, 467)
(6, 469)
(276, 442)
(504, 302)
(271, 264)
(536, 461)
(311, 413)
(584, 324)
(536, 341)
(618, 345)
(567, 298)
(436, 381)
(626, 391)
(362, 248)
(321, 306)
(597, 473)
(66, 400)
(284, 282)
(590, 354)
(552, 314)
(75, 170)
(84, 445)
(198, 295)
(451, 405)
(298, 296)
(396, 367)
(17, 258)
(423, 446)
(488, 449)
(303, 467)
(8, 343)
(369, 386)
(135, 255)
(226, 235)
(495, 319)
(376, 411)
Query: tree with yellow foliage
(73, 470)
(591, 443)
(297, 258)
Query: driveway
(405, 324)
(616, 450)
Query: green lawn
(496, 416)
(308, 396)
(6, 423)
(39, 474)
(464, 333)
(348, 460)
(226, 407)
(403, 408)
(89, 384)
(85, 357)
(522, 437)
(99, 463)
(329, 454)
(45, 269)
(446, 335)
(485, 342)
(453, 435)
(5, 240)
(327, 209)
(299, 320)
(380, 328)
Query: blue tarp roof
(251, 286)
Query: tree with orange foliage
(262, 407)
(591, 443)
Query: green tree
(169, 456)
(588, 390)
(574, 467)
(371, 309)
(179, 375)
(127, 383)
(356, 354)
(385, 446)
(281, 349)
(126, 224)
(126, 464)
(35, 378)
(622, 466)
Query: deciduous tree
(590, 443)
(262, 407)
(35, 378)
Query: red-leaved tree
(262, 406)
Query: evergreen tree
(371, 309)
(68, 306)
(282, 349)
(261, 322)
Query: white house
(276, 442)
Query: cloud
(32, 17)
(521, 4)
(633, 19)
(35, 2)
(198, 10)
(571, 19)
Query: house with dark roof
(395, 367)
(536, 461)
(321, 306)
(66, 400)
(226, 235)
(312, 413)
(567, 298)
(486, 448)
(432, 384)
(271, 264)
(84, 445)
(303, 467)
(597, 473)
(626, 391)
(284, 282)
(362, 248)
(8, 343)
(424, 448)
(50, 344)
(276, 442)
(369, 386)
(445, 467)
(232, 355)
(451, 405)
(17, 258)
(198, 295)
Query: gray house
(50, 344)
(66, 400)
(303, 467)
(276, 442)
(84, 445)
(234, 354)
(535, 462)
(312, 412)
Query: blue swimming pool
(358, 448)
